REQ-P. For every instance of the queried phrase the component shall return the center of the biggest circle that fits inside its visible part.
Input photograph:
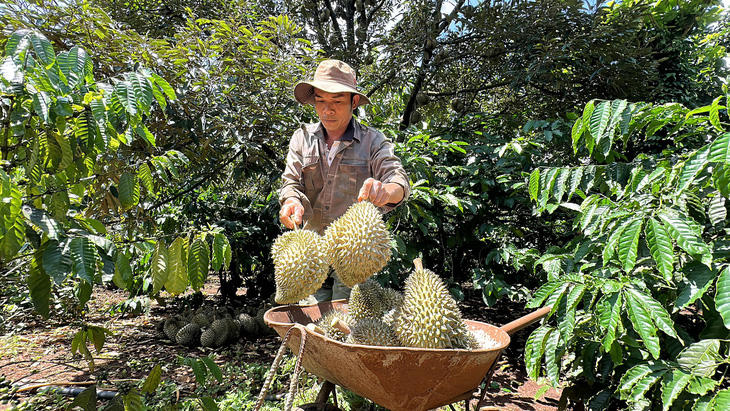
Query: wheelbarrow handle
(522, 322)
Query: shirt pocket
(312, 176)
(351, 175)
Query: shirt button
(326, 207)
(329, 181)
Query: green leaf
(142, 91)
(542, 293)
(641, 320)
(720, 149)
(125, 94)
(691, 168)
(42, 48)
(610, 318)
(86, 400)
(642, 386)
(84, 257)
(660, 246)
(177, 276)
(576, 177)
(39, 285)
(599, 120)
(198, 263)
(717, 211)
(54, 262)
(552, 357)
(199, 370)
(220, 242)
(697, 280)
(628, 243)
(152, 380)
(534, 184)
(144, 174)
(534, 349)
(657, 312)
(146, 135)
(672, 385)
(701, 385)
(576, 132)
(701, 358)
(41, 105)
(122, 271)
(722, 399)
(158, 267)
(164, 86)
(722, 296)
(97, 336)
(687, 238)
(133, 401)
(18, 43)
(66, 153)
(208, 403)
(213, 368)
(128, 190)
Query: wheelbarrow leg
(324, 393)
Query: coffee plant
(80, 172)
(640, 295)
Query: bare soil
(40, 352)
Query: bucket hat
(332, 76)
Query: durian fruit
(201, 319)
(390, 299)
(358, 243)
(300, 265)
(172, 326)
(372, 331)
(188, 335)
(325, 323)
(429, 316)
(366, 300)
(220, 328)
(208, 338)
(249, 326)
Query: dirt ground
(40, 354)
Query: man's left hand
(380, 194)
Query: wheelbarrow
(397, 378)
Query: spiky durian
(358, 243)
(391, 299)
(429, 316)
(325, 323)
(220, 328)
(201, 319)
(366, 300)
(172, 326)
(249, 326)
(188, 335)
(372, 331)
(208, 337)
(300, 265)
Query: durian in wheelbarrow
(325, 323)
(429, 316)
(358, 243)
(300, 265)
(372, 331)
(366, 300)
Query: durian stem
(315, 328)
(418, 264)
(340, 325)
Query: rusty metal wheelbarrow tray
(397, 378)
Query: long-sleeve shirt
(327, 190)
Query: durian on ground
(358, 243)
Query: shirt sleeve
(292, 186)
(386, 167)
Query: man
(337, 161)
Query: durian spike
(418, 264)
(340, 325)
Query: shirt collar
(349, 134)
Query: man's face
(334, 110)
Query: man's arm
(292, 190)
(389, 185)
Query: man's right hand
(291, 213)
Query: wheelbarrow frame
(398, 378)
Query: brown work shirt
(326, 191)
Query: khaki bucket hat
(332, 76)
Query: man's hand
(291, 213)
(380, 194)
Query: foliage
(640, 295)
